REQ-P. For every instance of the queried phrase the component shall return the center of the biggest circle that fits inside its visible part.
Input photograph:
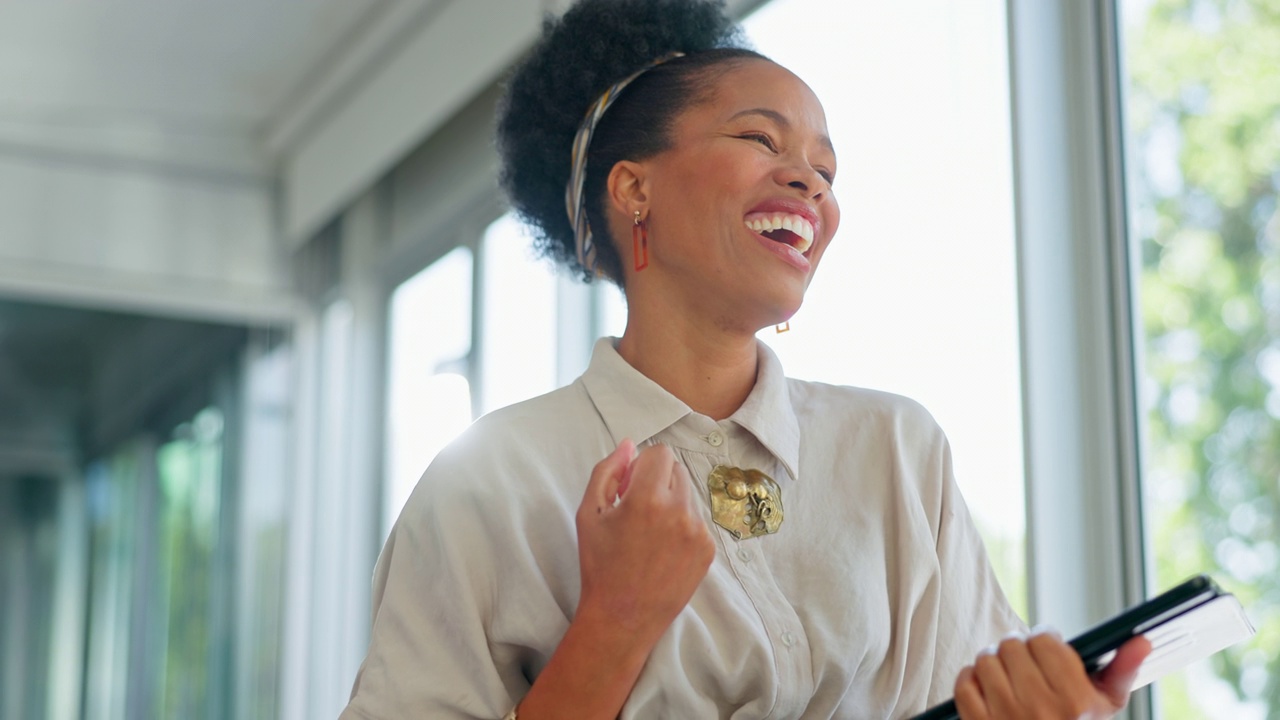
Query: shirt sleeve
(433, 593)
(973, 612)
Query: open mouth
(785, 228)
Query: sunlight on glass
(613, 309)
(428, 394)
(184, 593)
(519, 326)
(114, 488)
(917, 293)
(1202, 94)
(263, 518)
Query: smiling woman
(684, 531)
(757, 154)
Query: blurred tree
(1203, 115)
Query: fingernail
(1015, 635)
(625, 481)
(989, 650)
(1044, 629)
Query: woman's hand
(643, 548)
(1043, 677)
(643, 556)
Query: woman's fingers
(625, 481)
(1043, 677)
(1062, 667)
(1026, 675)
(608, 477)
(642, 559)
(650, 472)
(679, 482)
(996, 685)
(968, 695)
(654, 468)
(1116, 680)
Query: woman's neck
(711, 369)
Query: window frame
(1079, 351)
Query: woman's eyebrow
(773, 115)
(782, 121)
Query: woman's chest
(793, 623)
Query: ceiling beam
(461, 49)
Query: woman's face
(740, 208)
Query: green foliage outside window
(189, 615)
(1203, 118)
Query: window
(1203, 154)
(519, 356)
(264, 502)
(166, 613)
(917, 294)
(115, 487)
(532, 331)
(429, 378)
(189, 608)
(444, 369)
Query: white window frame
(1085, 555)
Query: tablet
(1189, 622)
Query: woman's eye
(762, 139)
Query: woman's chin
(779, 314)
(792, 304)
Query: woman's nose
(806, 180)
(801, 176)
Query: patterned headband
(573, 200)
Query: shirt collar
(768, 414)
(633, 406)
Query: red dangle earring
(640, 243)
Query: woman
(777, 548)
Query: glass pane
(612, 309)
(263, 508)
(187, 601)
(428, 390)
(1202, 138)
(519, 324)
(917, 293)
(29, 560)
(114, 492)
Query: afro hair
(579, 56)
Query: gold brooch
(747, 503)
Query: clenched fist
(643, 545)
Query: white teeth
(802, 228)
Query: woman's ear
(628, 187)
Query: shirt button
(744, 555)
(715, 439)
(788, 638)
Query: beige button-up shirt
(866, 603)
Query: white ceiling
(211, 85)
(172, 66)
